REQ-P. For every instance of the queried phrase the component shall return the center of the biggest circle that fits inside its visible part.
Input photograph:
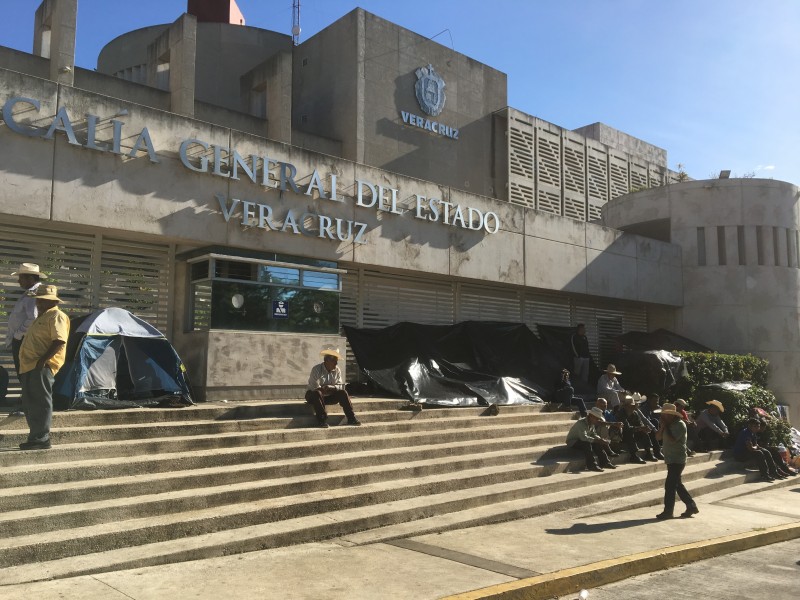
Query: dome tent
(117, 360)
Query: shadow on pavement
(587, 528)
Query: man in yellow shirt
(42, 354)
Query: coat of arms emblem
(430, 90)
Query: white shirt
(22, 315)
(320, 376)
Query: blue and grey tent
(117, 360)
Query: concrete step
(386, 419)
(241, 411)
(396, 462)
(494, 502)
(395, 501)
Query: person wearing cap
(608, 386)
(325, 386)
(635, 431)
(41, 355)
(24, 312)
(581, 359)
(746, 448)
(711, 429)
(583, 436)
(565, 394)
(672, 433)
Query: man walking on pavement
(41, 355)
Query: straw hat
(628, 400)
(669, 409)
(596, 412)
(681, 402)
(29, 269)
(612, 370)
(331, 351)
(639, 398)
(716, 403)
(48, 292)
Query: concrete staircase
(132, 488)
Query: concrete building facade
(347, 180)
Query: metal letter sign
(280, 309)
(430, 90)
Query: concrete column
(54, 30)
(174, 52)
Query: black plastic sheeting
(649, 371)
(480, 363)
(467, 364)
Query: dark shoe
(780, 476)
(353, 421)
(692, 510)
(322, 423)
(649, 456)
(636, 459)
(690, 453)
(595, 468)
(664, 515)
(612, 453)
(767, 478)
(609, 465)
(35, 445)
(659, 456)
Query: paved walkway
(438, 565)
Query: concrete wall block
(552, 227)
(611, 275)
(553, 265)
(768, 287)
(497, 258)
(721, 328)
(659, 283)
(244, 359)
(27, 162)
(775, 330)
(610, 240)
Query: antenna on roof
(295, 22)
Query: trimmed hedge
(704, 368)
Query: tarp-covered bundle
(117, 360)
(660, 339)
(467, 364)
(650, 371)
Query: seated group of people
(635, 422)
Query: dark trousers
(318, 401)
(654, 443)
(15, 346)
(709, 439)
(37, 402)
(764, 460)
(674, 484)
(635, 439)
(565, 396)
(590, 450)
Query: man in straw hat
(608, 386)
(325, 386)
(24, 312)
(672, 433)
(41, 355)
(711, 429)
(583, 436)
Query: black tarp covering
(467, 364)
(649, 371)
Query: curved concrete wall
(224, 53)
(741, 266)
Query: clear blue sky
(714, 82)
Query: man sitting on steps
(583, 436)
(325, 386)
